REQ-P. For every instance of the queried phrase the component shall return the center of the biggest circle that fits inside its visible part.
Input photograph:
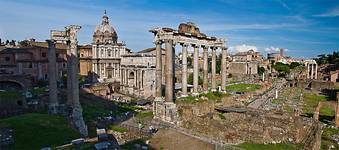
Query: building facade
(32, 59)
(106, 53)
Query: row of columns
(138, 77)
(101, 69)
(169, 69)
(312, 71)
(103, 52)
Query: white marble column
(195, 69)
(184, 69)
(316, 71)
(214, 59)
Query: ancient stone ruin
(187, 35)
(73, 103)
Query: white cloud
(242, 48)
(274, 49)
(332, 13)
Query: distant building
(250, 55)
(244, 63)
(31, 60)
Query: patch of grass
(34, 131)
(326, 142)
(252, 146)
(221, 116)
(243, 87)
(144, 115)
(130, 145)
(215, 96)
(9, 96)
(118, 128)
(90, 112)
(276, 101)
(39, 90)
(311, 102)
(327, 111)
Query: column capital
(204, 46)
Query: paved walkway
(268, 95)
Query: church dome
(104, 33)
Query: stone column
(312, 71)
(337, 112)
(205, 68)
(52, 79)
(223, 69)
(214, 59)
(158, 68)
(195, 69)
(76, 114)
(308, 71)
(169, 70)
(316, 71)
(316, 112)
(184, 70)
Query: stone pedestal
(78, 121)
(165, 111)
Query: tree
(294, 65)
(261, 70)
(283, 69)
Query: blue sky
(305, 28)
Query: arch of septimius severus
(187, 35)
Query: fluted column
(223, 69)
(214, 59)
(169, 92)
(158, 67)
(184, 70)
(195, 69)
(205, 68)
(53, 90)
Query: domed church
(107, 52)
(108, 61)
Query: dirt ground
(167, 139)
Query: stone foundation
(165, 111)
